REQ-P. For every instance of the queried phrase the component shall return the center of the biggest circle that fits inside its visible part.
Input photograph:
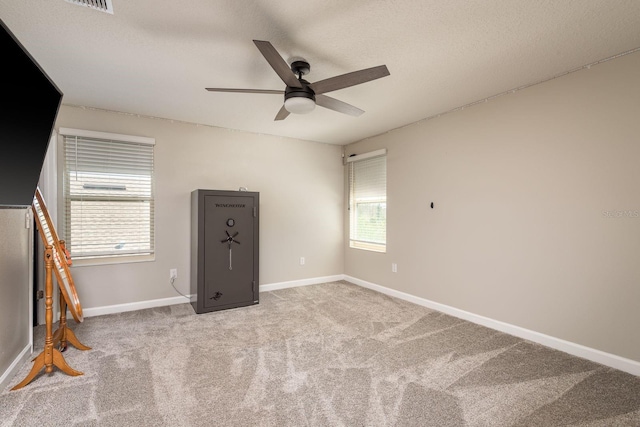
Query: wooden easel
(56, 259)
(50, 356)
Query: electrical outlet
(301, 260)
(394, 267)
(173, 273)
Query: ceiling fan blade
(349, 79)
(282, 114)
(278, 64)
(220, 89)
(337, 105)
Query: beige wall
(301, 202)
(522, 185)
(16, 249)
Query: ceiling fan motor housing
(300, 67)
(299, 100)
(303, 92)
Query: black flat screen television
(30, 104)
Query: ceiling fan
(300, 96)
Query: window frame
(88, 260)
(352, 204)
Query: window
(368, 201)
(108, 194)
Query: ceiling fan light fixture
(299, 105)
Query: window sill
(108, 260)
(372, 247)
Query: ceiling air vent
(101, 5)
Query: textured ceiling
(155, 57)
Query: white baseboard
(132, 306)
(607, 359)
(302, 282)
(22, 357)
(140, 305)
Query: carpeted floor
(324, 355)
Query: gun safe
(224, 249)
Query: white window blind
(108, 194)
(368, 202)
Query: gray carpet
(324, 355)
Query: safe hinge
(255, 212)
(40, 294)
